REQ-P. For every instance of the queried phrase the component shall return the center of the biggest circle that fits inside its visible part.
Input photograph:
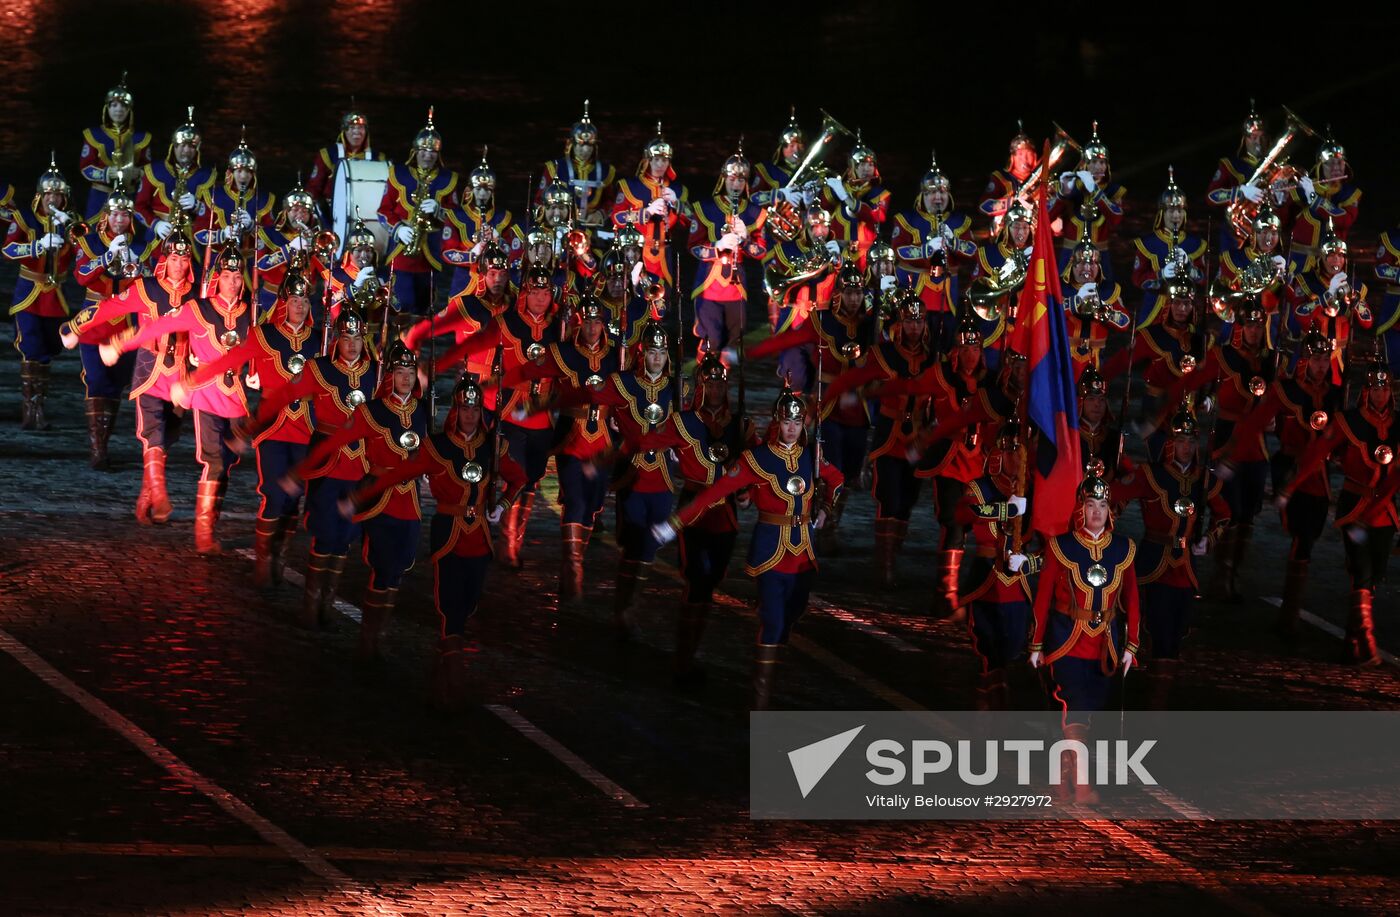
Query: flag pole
(1023, 428)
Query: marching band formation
(303, 329)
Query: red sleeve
(476, 344)
(1250, 426)
(179, 320)
(855, 378)
(1128, 596)
(739, 477)
(511, 473)
(422, 463)
(356, 429)
(243, 353)
(1051, 575)
(273, 402)
(1314, 455)
(666, 436)
(145, 200)
(389, 208)
(1192, 381)
(971, 413)
(793, 337)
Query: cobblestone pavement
(364, 801)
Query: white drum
(359, 187)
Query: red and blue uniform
(102, 279)
(460, 229)
(998, 601)
(413, 273)
(320, 180)
(106, 146)
(39, 307)
(788, 489)
(1335, 204)
(796, 361)
(1083, 629)
(1388, 315)
(1151, 253)
(912, 231)
(719, 290)
(1105, 212)
(156, 199)
(633, 196)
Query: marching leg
(206, 513)
(765, 662)
(1294, 582)
(265, 533)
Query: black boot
(764, 666)
(690, 627)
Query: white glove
(1128, 660)
(109, 353)
(663, 532)
(1207, 404)
(1306, 183)
(1017, 503)
(657, 208)
(637, 270)
(809, 196)
(729, 241)
(245, 220)
(362, 277)
(67, 337)
(791, 195)
(297, 244)
(179, 395)
(1281, 502)
(119, 242)
(1087, 180)
(404, 233)
(1015, 562)
(429, 206)
(496, 513)
(186, 201)
(1169, 270)
(478, 248)
(163, 229)
(1356, 534)
(1036, 657)
(1199, 548)
(848, 400)
(228, 234)
(346, 506)
(1066, 183)
(1337, 280)
(253, 381)
(833, 247)
(821, 520)
(1252, 193)
(1028, 251)
(48, 241)
(838, 188)
(1089, 289)
(60, 217)
(669, 195)
(933, 245)
(739, 228)
(888, 283)
(1278, 262)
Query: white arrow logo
(811, 762)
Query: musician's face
(242, 176)
(617, 284)
(1093, 408)
(1085, 271)
(911, 329)
(851, 297)
(497, 278)
(1095, 515)
(404, 378)
(299, 213)
(789, 431)
(1018, 373)
(865, 170)
(936, 201)
(468, 416)
(54, 200)
(1098, 167)
(1181, 310)
(1253, 334)
(355, 135)
(592, 331)
(658, 166)
(1254, 142)
(792, 153)
(1335, 167)
(119, 221)
(118, 111)
(965, 357)
(654, 359)
(362, 256)
(1183, 449)
(426, 159)
(1378, 397)
(583, 150)
(735, 185)
(298, 308)
(184, 153)
(1022, 159)
(1020, 233)
(1335, 261)
(482, 195)
(885, 268)
(819, 231)
(714, 390)
(537, 301)
(1265, 239)
(541, 253)
(349, 347)
(1173, 218)
(177, 267)
(631, 254)
(1319, 365)
(230, 284)
(556, 213)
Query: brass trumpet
(784, 221)
(986, 293)
(73, 229)
(1258, 276)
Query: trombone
(783, 219)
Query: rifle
(432, 350)
(680, 334)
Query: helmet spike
(586, 119)
(430, 117)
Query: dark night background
(1170, 91)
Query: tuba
(777, 283)
(1258, 276)
(985, 294)
(1273, 171)
(784, 221)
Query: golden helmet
(1018, 212)
(360, 237)
(1315, 343)
(1086, 253)
(228, 259)
(737, 165)
(353, 117)
(299, 196)
(792, 132)
(584, 131)
(1266, 218)
(539, 277)
(934, 179)
(1331, 242)
(400, 354)
(483, 176)
(1330, 148)
(468, 391)
(1021, 139)
(969, 334)
(591, 309)
(1095, 148)
(907, 306)
(119, 93)
(1092, 383)
(349, 323)
(295, 284)
(52, 181)
(178, 245)
(242, 157)
(493, 256)
(558, 192)
(629, 237)
(1252, 121)
(1183, 423)
(187, 132)
(1093, 487)
(710, 367)
(789, 406)
(659, 146)
(880, 252)
(428, 137)
(655, 337)
(860, 152)
(1172, 196)
(119, 199)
